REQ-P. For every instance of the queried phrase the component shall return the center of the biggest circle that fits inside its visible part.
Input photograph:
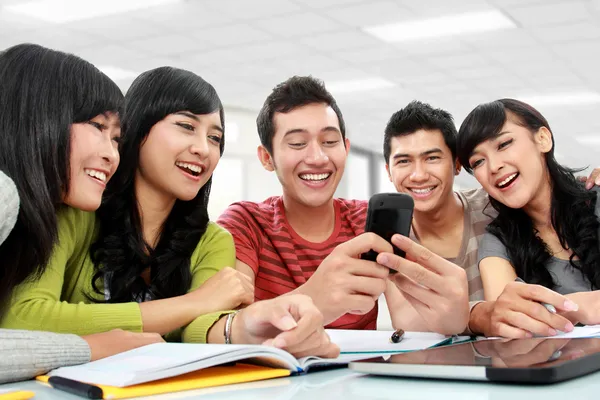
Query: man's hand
(517, 313)
(117, 341)
(436, 288)
(592, 180)
(344, 283)
(292, 323)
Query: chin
(88, 206)
(315, 201)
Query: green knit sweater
(57, 301)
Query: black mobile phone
(388, 214)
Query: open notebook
(164, 360)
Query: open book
(164, 360)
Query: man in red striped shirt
(307, 241)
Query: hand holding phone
(389, 214)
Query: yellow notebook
(16, 395)
(209, 377)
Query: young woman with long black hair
(546, 231)
(58, 122)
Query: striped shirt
(282, 260)
(477, 216)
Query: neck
(539, 208)
(443, 219)
(154, 208)
(314, 224)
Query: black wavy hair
(572, 206)
(415, 116)
(42, 93)
(289, 95)
(121, 254)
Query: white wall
(239, 175)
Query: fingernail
(287, 323)
(279, 343)
(588, 185)
(551, 332)
(570, 306)
(528, 335)
(383, 259)
(398, 238)
(268, 342)
(569, 327)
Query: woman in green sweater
(158, 264)
(44, 115)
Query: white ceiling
(245, 47)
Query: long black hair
(42, 93)
(572, 206)
(120, 253)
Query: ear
(387, 169)
(347, 145)
(543, 139)
(457, 167)
(265, 158)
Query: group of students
(112, 247)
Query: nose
(200, 146)
(495, 164)
(108, 151)
(315, 155)
(419, 174)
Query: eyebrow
(500, 134)
(195, 118)
(301, 130)
(425, 153)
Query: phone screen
(387, 222)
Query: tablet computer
(534, 360)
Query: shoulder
(492, 246)
(352, 205)
(477, 198)
(215, 233)
(247, 209)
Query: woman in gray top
(26, 354)
(546, 231)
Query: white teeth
(101, 176)
(191, 167)
(314, 177)
(510, 178)
(423, 191)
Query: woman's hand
(291, 322)
(228, 289)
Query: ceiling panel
(246, 47)
(545, 14)
(372, 13)
(298, 25)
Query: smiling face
(180, 153)
(511, 167)
(309, 154)
(421, 165)
(94, 159)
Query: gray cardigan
(25, 354)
